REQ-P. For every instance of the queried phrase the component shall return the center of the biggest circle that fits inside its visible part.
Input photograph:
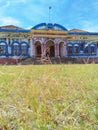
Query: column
(32, 48)
(43, 49)
(7, 47)
(89, 49)
(97, 49)
(65, 50)
(55, 45)
(7, 41)
(58, 50)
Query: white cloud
(89, 26)
(29, 27)
(9, 21)
(7, 4)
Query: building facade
(55, 39)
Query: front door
(50, 46)
(38, 51)
(52, 51)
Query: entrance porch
(50, 48)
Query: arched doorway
(37, 49)
(61, 49)
(50, 48)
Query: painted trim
(60, 26)
(49, 26)
(38, 41)
(39, 25)
(49, 40)
(83, 33)
(14, 30)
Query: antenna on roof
(49, 13)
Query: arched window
(82, 46)
(15, 47)
(3, 48)
(76, 48)
(24, 48)
(69, 49)
(92, 48)
(86, 48)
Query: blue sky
(81, 14)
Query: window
(86, 49)
(82, 46)
(24, 49)
(76, 49)
(69, 49)
(2, 49)
(92, 49)
(15, 49)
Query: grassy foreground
(49, 97)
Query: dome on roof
(51, 26)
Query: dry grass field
(49, 97)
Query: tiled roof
(76, 30)
(10, 27)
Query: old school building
(54, 39)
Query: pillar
(55, 46)
(7, 41)
(43, 49)
(97, 49)
(32, 47)
(7, 48)
(65, 50)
